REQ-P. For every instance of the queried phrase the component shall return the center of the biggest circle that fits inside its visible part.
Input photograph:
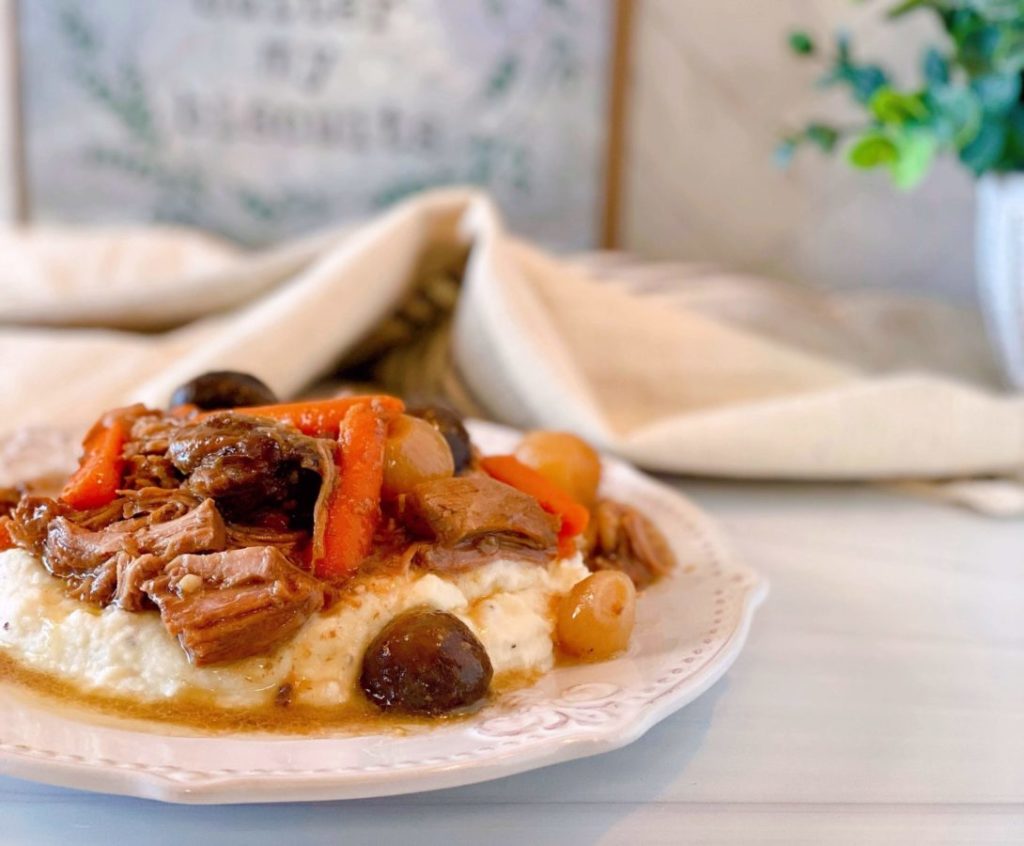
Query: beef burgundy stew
(238, 524)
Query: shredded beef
(145, 453)
(621, 538)
(183, 480)
(232, 605)
(99, 518)
(132, 574)
(158, 504)
(289, 541)
(95, 560)
(30, 521)
(151, 433)
(96, 586)
(151, 471)
(71, 549)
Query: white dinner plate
(690, 629)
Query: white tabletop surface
(880, 699)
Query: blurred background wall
(712, 86)
(710, 89)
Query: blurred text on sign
(261, 119)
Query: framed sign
(260, 119)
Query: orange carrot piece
(353, 509)
(99, 472)
(184, 411)
(323, 417)
(567, 547)
(6, 541)
(552, 498)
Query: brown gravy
(198, 712)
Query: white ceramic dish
(690, 630)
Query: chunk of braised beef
(462, 509)
(247, 465)
(231, 605)
(201, 530)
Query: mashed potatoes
(112, 652)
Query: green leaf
(987, 147)
(896, 107)
(956, 115)
(1008, 57)
(873, 150)
(936, 67)
(998, 94)
(971, 101)
(801, 43)
(1015, 135)
(906, 6)
(865, 80)
(997, 10)
(916, 153)
(977, 43)
(822, 136)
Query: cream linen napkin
(754, 382)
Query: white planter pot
(999, 257)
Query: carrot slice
(552, 498)
(6, 541)
(184, 411)
(353, 509)
(567, 546)
(99, 472)
(323, 418)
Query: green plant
(968, 102)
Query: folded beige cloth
(687, 370)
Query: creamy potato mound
(507, 604)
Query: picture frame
(41, 110)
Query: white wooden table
(880, 700)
